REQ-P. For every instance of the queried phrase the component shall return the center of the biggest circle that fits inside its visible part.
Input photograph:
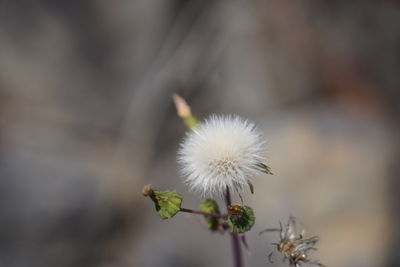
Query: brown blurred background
(87, 119)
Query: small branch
(221, 216)
(237, 253)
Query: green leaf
(210, 206)
(167, 203)
(241, 218)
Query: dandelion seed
(221, 152)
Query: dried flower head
(221, 152)
(294, 247)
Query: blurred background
(87, 119)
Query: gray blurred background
(87, 119)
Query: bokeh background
(87, 119)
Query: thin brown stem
(228, 197)
(237, 253)
(221, 216)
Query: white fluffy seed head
(221, 152)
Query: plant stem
(237, 253)
(222, 216)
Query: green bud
(210, 206)
(241, 218)
(167, 203)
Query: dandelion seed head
(222, 151)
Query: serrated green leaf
(210, 206)
(167, 203)
(241, 218)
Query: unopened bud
(182, 107)
(241, 218)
